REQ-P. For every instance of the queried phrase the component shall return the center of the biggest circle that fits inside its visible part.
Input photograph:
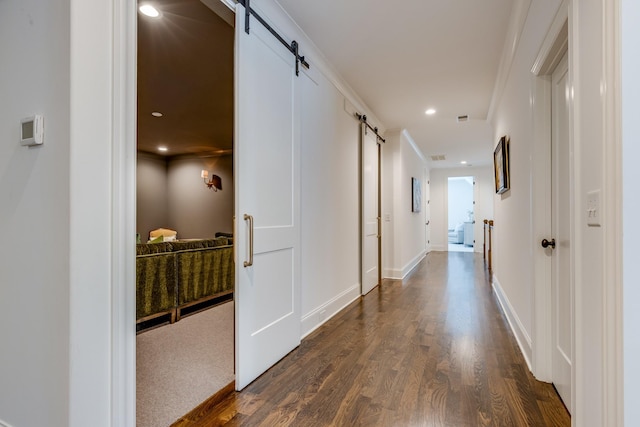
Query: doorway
(185, 208)
(460, 213)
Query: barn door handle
(545, 243)
(250, 219)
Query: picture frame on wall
(501, 165)
(416, 193)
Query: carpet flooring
(181, 365)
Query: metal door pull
(250, 219)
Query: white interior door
(562, 307)
(427, 212)
(267, 198)
(370, 210)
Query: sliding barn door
(370, 210)
(267, 178)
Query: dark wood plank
(433, 349)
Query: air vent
(438, 157)
(463, 118)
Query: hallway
(433, 349)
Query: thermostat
(32, 130)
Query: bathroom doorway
(460, 210)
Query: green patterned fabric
(204, 272)
(153, 248)
(157, 284)
(171, 274)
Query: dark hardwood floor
(432, 350)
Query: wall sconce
(215, 183)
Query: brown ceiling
(185, 71)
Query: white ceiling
(403, 57)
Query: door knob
(545, 243)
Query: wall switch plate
(594, 209)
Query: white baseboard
(413, 263)
(3, 424)
(522, 337)
(401, 273)
(317, 317)
(392, 273)
(439, 248)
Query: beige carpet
(181, 365)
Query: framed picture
(501, 165)
(416, 192)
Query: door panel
(267, 188)
(370, 210)
(562, 308)
(427, 212)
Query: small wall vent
(438, 157)
(463, 118)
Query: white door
(562, 307)
(267, 198)
(370, 210)
(427, 212)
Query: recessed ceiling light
(430, 111)
(464, 162)
(163, 149)
(156, 114)
(149, 10)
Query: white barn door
(370, 211)
(267, 194)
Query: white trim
(415, 147)
(578, 384)
(3, 424)
(317, 317)
(612, 221)
(554, 45)
(519, 331)
(401, 273)
(123, 206)
(551, 50)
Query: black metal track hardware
(293, 47)
(363, 119)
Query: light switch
(593, 212)
(387, 217)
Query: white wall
(631, 177)
(34, 215)
(483, 209)
(592, 74)
(512, 257)
(330, 204)
(403, 231)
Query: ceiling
(400, 58)
(405, 57)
